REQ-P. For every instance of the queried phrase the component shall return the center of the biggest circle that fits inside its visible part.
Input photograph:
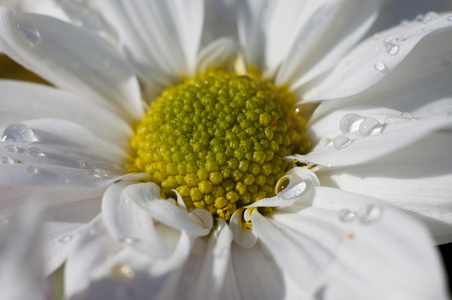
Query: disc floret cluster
(219, 140)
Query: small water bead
(35, 151)
(404, 37)
(65, 239)
(127, 240)
(341, 141)
(18, 132)
(324, 142)
(11, 148)
(430, 16)
(367, 126)
(345, 215)
(295, 191)
(30, 31)
(7, 160)
(379, 65)
(350, 122)
(389, 120)
(392, 49)
(406, 116)
(372, 214)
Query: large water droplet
(430, 16)
(372, 214)
(350, 122)
(341, 141)
(30, 31)
(18, 132)
(35, 151)
(65, 239)
(368, 126)
(346, 215)
(122, 271)
(11, 148)
(379, 65)
(295, 191)
(392, 49)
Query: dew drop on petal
(35, 151)
(350, 122)
(295, 191)
(367, 126)
(346, 215)
(379, 65)
(430, 16)
(7, 160)
(30, 31)
(392, 49)
(324, 142)
(406, 116)
(65, 239)
(329, 164)
(341, 141)
(11, 148)
(127, 240)
(389, 120)
(372, 214)
(18, 132)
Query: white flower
(21, 272)
(376, 133)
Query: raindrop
(329, 165)
(324, 142)
(122, 271)
(430, 16)
(373, 213)
(350, 122)
(18, 132)
(282, 183)
(295, 191)
(419, 18)
(367, 126)
(30, 32)
(379, 65)
(127, 240)
(11, 148)
(65, 239)
(32, 170)
(346, 215)
(392, 49)
(341, 141)
(35, 151)
(7, 160)
(389, 120)
(406, 116)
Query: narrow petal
(24, 101)
(378, 56)
(415, 179)
(51, 152)
(216, 54)
(352, 245)
(58, 52)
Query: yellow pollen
(219, 140)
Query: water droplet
(430, 16)
(65, 239)
(389, 39)
(373, 213)
(341, 141)
(389, 120)
(392, 49)
(127, 240)
(282, 183)
(30, 31)
(35, 151)
(419, 18)
(18, 132)
(295, 191)
(379, 65)
(367, 126)
(32, 170)
(404, 37)
(122, 271)
(406, 116)
(7, 160)
(11, 148)
(324, 142)
(329, 164)
(346, 215)
(350, 122)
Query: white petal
(331, 30)
(146, 196)
(417, 179)
(243, 236)
(378, 56)
(345, 246)
(58, 52)
(217, 53)
(386, 137)
(90, 252)
(132, 226)
(253, 274)
(51, 152)
(21, 272)
(23, 101)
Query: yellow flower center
(219, 140)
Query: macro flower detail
(231, 150)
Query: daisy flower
(236, 150)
